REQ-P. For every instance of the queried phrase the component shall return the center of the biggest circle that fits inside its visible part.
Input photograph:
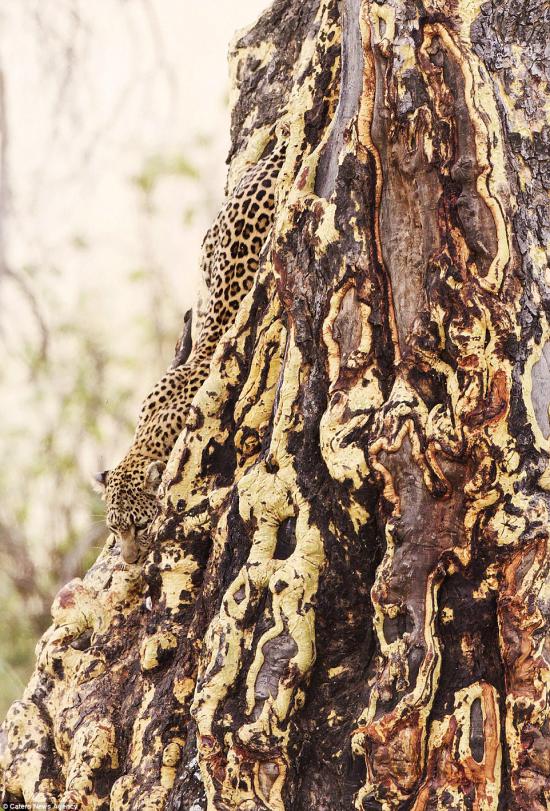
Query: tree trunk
(346, 604)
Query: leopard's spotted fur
(230, 258)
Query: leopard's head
(129, 491)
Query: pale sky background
(94, 89)
(146, 78)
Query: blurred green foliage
(158, 166)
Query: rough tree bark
(347, 600)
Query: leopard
(230, 258)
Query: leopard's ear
(153, 476)
(99, 482)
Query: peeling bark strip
(347, 601)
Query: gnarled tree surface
(346, 601)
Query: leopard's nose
(128, 545)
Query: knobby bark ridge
(346, 602)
